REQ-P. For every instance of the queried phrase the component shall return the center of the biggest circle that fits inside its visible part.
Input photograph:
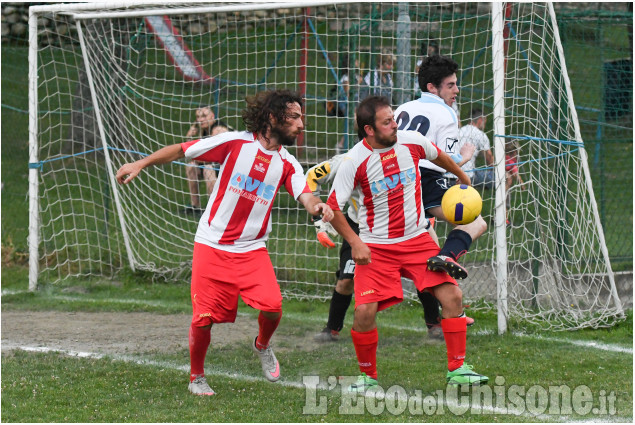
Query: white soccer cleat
(270, 365)
(199, 386)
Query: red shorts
(380, 281)
(218, 277)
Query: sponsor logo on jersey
(389, 156)
(259, 167)
(390, 182)
(251, 188)
(370, 291)
(263, 159)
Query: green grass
(56, 387)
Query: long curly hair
(265, 104)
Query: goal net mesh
(113, 88)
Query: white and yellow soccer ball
(461, 204)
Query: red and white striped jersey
(388, 184)
(238, 215)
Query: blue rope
(540, 139)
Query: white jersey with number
(238, 215)
(471, 134)
(387, 183)
(430, 116)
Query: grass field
(46, 384)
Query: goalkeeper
(324, 173)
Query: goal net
(111, 83)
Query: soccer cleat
(327, 335)
(469, 321)
(465, 376)
(270, 365)
(442, 263)
(199, 386)
(435, 334)
(363, 384)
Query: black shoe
(327, 335)
(442, 263)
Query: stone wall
(15, 18)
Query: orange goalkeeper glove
(323, 229)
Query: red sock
(366, 349)
(266, 328)
(454, 331)
(199, 342)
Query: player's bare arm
(315, 206)
(129, 171)
(445, 161)
(360, 251)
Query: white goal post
(111, 82)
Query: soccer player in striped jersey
(382, 170)
(230, 257)
(322, 174)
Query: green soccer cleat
(363, 384)
(465, 375)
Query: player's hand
(324, 210)
(361, 253)
(467, 151)
(128, 172)
(323, 230)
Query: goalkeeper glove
(323, 229)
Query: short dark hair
(266, 103)
(366, 111)
(434, 69)
(476, 114)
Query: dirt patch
(113, 333)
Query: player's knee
(475, 228)
(272, 315)
(364, 317)
(451, 299)
(344, 286)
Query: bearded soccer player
(230, 257)
(393, 240)
(433, 116)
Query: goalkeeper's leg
(342, 296)
(340, 301)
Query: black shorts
(347, 265)
(433, 187)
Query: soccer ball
(461, 204)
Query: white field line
(484, 409)
(615, 348)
